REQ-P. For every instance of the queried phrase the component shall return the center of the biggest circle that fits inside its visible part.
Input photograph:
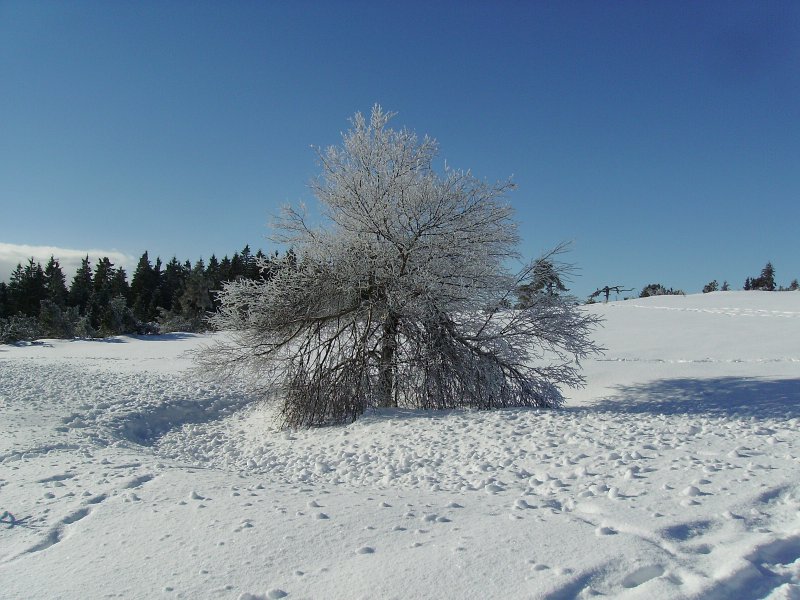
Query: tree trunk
(386, 368)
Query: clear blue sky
(662, 138)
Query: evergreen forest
(100, 300)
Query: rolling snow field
(674, 474)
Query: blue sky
(661, 138)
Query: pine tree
(141, 290)
(725, 286)
(80, 292)
(4, 308)
(214, 276)
(225, 268)
(101, 293)
(713, 286)
(545, 279)
(748, 284)
(119, 285)
(237, 267)
(172, 284)
(103, 275)
(249, 267)
(766, 281)
(27, 288)
(15, 287)
(212, 271)
(35, 290)
(196, 298)
(55, 283)
(55, 319)
(157, 299)
(144, 289)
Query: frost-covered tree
(396, 298)
(712, 286)
(545, 279)
(19, 327)
(657, 289)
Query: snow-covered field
(674, 474)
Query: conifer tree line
(100, 301)
(764, 282)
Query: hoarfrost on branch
(401, 297)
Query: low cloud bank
(70, 259)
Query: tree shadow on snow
(164, 337)
(28, 343)
(147, 425)
(405, 414)
(124, 339)
(720, 396)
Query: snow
(673, 474)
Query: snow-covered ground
(673, 474)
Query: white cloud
(69, 258)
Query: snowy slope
(673, 474)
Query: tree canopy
(397, 298)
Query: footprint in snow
(57, 533)
(682, 532)
(604, 530)
(431, 518)
(138, 481)
(274, 594)
(642, 575)
(56, 478)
